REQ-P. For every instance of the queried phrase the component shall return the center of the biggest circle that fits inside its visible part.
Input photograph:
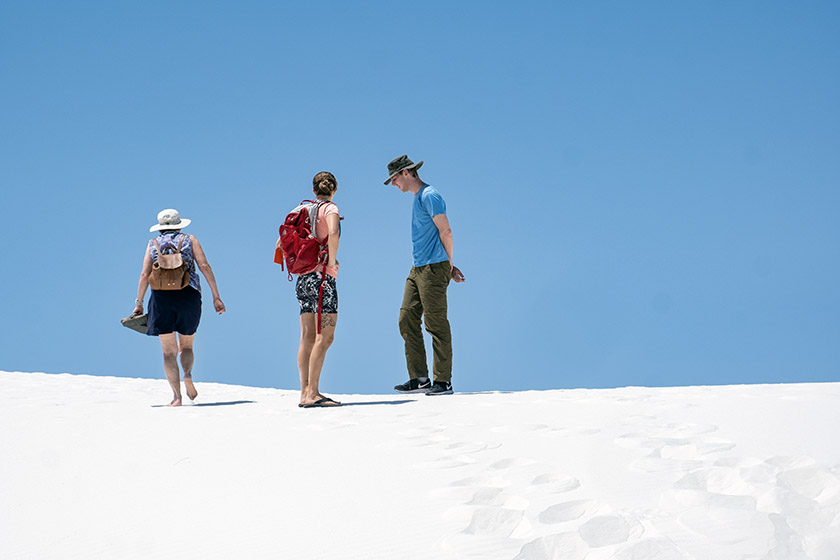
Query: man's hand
(218, 305)
(457, 275)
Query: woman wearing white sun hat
(174, 314)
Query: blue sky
(641, 193)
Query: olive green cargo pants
(425, 296)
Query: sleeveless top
(168, 241)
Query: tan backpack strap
(182, 241)
(157, 246)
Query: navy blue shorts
(174, 311)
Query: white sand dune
(89, 468)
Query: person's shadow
(229, 403)
(374, 403)
(232, 403)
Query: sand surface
(94, 467)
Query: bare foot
(175, 402)
(191, 391)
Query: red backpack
(299, 247)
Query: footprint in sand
(512, 462)
(819, 485)
(570, 511)
(675, 447)
(787, 463)
(649, 549)
(739, 462)
(562, 546)
(487, 497)
(695, 449)
(683, 456)
(717, 480)
(492, 532)
(495, 521)
(676, 432)
(789, 544)
(471, 447)
(688, 430)
(607, 530)
(447, 462)
(482, 481)
(729, 527)
(483, 490)
(555, 483)
(496, 497)
(753, 471)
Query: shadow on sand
(373, 403)
(229, 403)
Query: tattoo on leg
(327, 320)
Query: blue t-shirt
(424, 233)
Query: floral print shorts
(307, 289)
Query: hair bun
(324, 183)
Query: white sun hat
(169, 219)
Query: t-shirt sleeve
(434, 203)
(330, 209)
(321, 228)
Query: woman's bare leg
(318, 353)
(169, 345)
(187, 355)
(307, 341)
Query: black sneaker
(414, 386)
(440, 388)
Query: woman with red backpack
(316, 284)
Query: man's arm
(445, 233)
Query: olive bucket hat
(401, 164)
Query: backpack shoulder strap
(314, 206)
(177, 250)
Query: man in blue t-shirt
(425, 287)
